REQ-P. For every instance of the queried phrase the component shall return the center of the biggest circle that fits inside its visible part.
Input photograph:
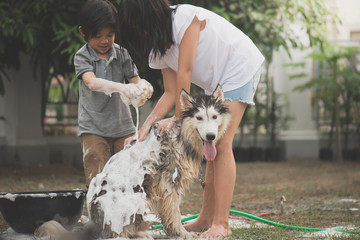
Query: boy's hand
(128, 92)
(143, 92)
(146, 91)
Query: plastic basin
(25, 211)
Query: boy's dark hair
(95, 15)
(145, 25)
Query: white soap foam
(137, 124)
(124, 172)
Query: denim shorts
(245, 93)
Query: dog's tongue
(209, 150)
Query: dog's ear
(185, 100)
(218, 93)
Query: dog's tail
(54, 230)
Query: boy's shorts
(245, 93)
(97, 151)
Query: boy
(103, 68)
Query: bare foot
(216, 231)
(196, 226)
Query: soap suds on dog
(122, 173)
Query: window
(61, 106)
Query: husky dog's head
(204, 119)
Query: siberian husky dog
(153, 175)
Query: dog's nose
(210, 136)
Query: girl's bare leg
(219, 183)
(204, 221)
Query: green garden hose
(264, 221)
(182, 220)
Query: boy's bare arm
(108, 87)
(137, 92)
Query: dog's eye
(214, 117)
(199, 118)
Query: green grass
(277, 233)
(263, 233)
(311, 218)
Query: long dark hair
(95, 15)
(145, 25)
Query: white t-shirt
(224, 55)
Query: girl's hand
(163, 125)
(143, 132)
(129, 140)
(166, 124)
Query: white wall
(23, 106)
(300, 106)
(301, 138)
(349, 13)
